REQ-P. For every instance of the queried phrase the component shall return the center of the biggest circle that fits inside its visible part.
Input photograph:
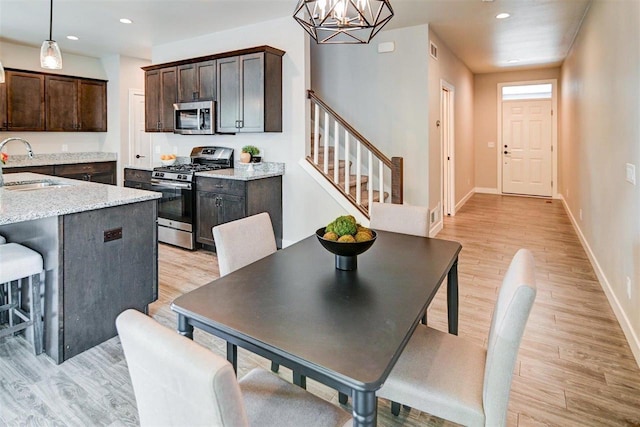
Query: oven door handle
(159, 183)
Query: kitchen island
(100, 249)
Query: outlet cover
(631, 173)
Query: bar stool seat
(18, 262)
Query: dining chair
(177, 382)
(397, 218)
(242, 242)
(452, 378)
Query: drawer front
(137, 175)
(91, 168)
(220, 185)
(45, 170)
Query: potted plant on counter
(250, 154)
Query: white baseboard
(436, 228)
(485, 190)
(464, 200)
(623, 320)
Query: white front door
(526, 147)
(140, 154)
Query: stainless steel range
(176, 213)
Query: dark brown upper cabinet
(160, 95)
(75, 104)
(32, 101)
(197, 81)
(246, 83)
(24, 102)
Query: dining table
(345, 329)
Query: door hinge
(552, 112)
(552, 148)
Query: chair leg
(342, 398)
(395, 408)
(36, 313)
(424, 318)
(275, 367)
(300, 380)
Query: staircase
(353, 165)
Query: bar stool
(17, 263)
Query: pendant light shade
(343, 21)
(1, 73)
(50, 56)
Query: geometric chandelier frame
(343, 21)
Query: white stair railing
(381, 180)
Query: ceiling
(538, 33)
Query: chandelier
(343, 21)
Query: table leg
(184, 328)
(452, 298)
(365, 409)
(232, 355)
(342, 398)
(299, 380)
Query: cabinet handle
(195, 95)
(86, 177)
(219, 186)
(241, 123)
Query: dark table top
(349, 325)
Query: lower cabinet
(220, 200)
(101, 172)
(110, 264)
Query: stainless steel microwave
(194, 118)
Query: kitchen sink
(35, 185)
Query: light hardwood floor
(574, 367)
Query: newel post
(397, 180)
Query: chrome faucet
(26, 144)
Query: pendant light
(1, 73)
(343, 21)
(50, 56)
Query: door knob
(138, 156)
(506, 152)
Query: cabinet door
(206, 80)
(92, 102)
(207, 216)
(25, 101)
(230, 208)
(187, 83)
(169, 81)
(3, 106)
(252, 93)
(152, 101)
(61, 103)
(228, 95)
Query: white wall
(384, 96)
(306, 206)
(599, 134)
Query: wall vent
(433, 50)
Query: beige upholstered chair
(180, 383)
(244, 241)
(454, 379)
(405, 219)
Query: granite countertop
(78, 196)
(243, 172)
(22, 160)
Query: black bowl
(345, 253)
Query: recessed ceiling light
(503, 15)
(72, 38)
(126, 21)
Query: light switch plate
(631, 173)
(491, 144)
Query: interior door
(526, 147)
(141, 155)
